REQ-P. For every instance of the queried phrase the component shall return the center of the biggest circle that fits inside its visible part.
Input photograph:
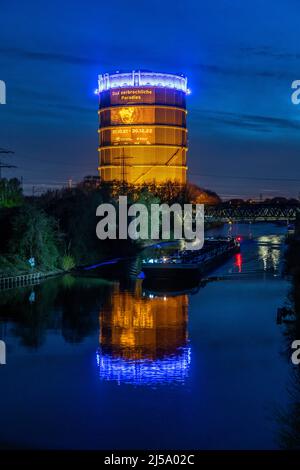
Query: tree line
(57, 229)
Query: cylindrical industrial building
(142, 132)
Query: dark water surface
(98, 364)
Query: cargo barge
(190, 264)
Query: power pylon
(3, 164)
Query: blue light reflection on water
(168, 370)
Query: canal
(95, 364)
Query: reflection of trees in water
(68, 305)
(78, 309)
(289, 418)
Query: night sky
(240, 58)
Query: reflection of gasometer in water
(2, 353)
(143, 338)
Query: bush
(68, 263)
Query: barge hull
(185, 272)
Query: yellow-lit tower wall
(142, 131)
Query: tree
(196, 195)
(35, 236)
(10, 192)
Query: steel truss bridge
(254, 212)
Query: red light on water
(238, 261)
(239, 239)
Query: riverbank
(292, 256)
(17, 280)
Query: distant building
(142, 132)
(92, 181)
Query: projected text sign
(132, 95)
(132, 135)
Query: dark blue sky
(240, 58)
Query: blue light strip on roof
(137, 78)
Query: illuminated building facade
(142, 132)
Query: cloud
(47, 56)
(269, 52)
(61, 58)
(56, 111)
(48, 103)
(249, 71)
(249, 122)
